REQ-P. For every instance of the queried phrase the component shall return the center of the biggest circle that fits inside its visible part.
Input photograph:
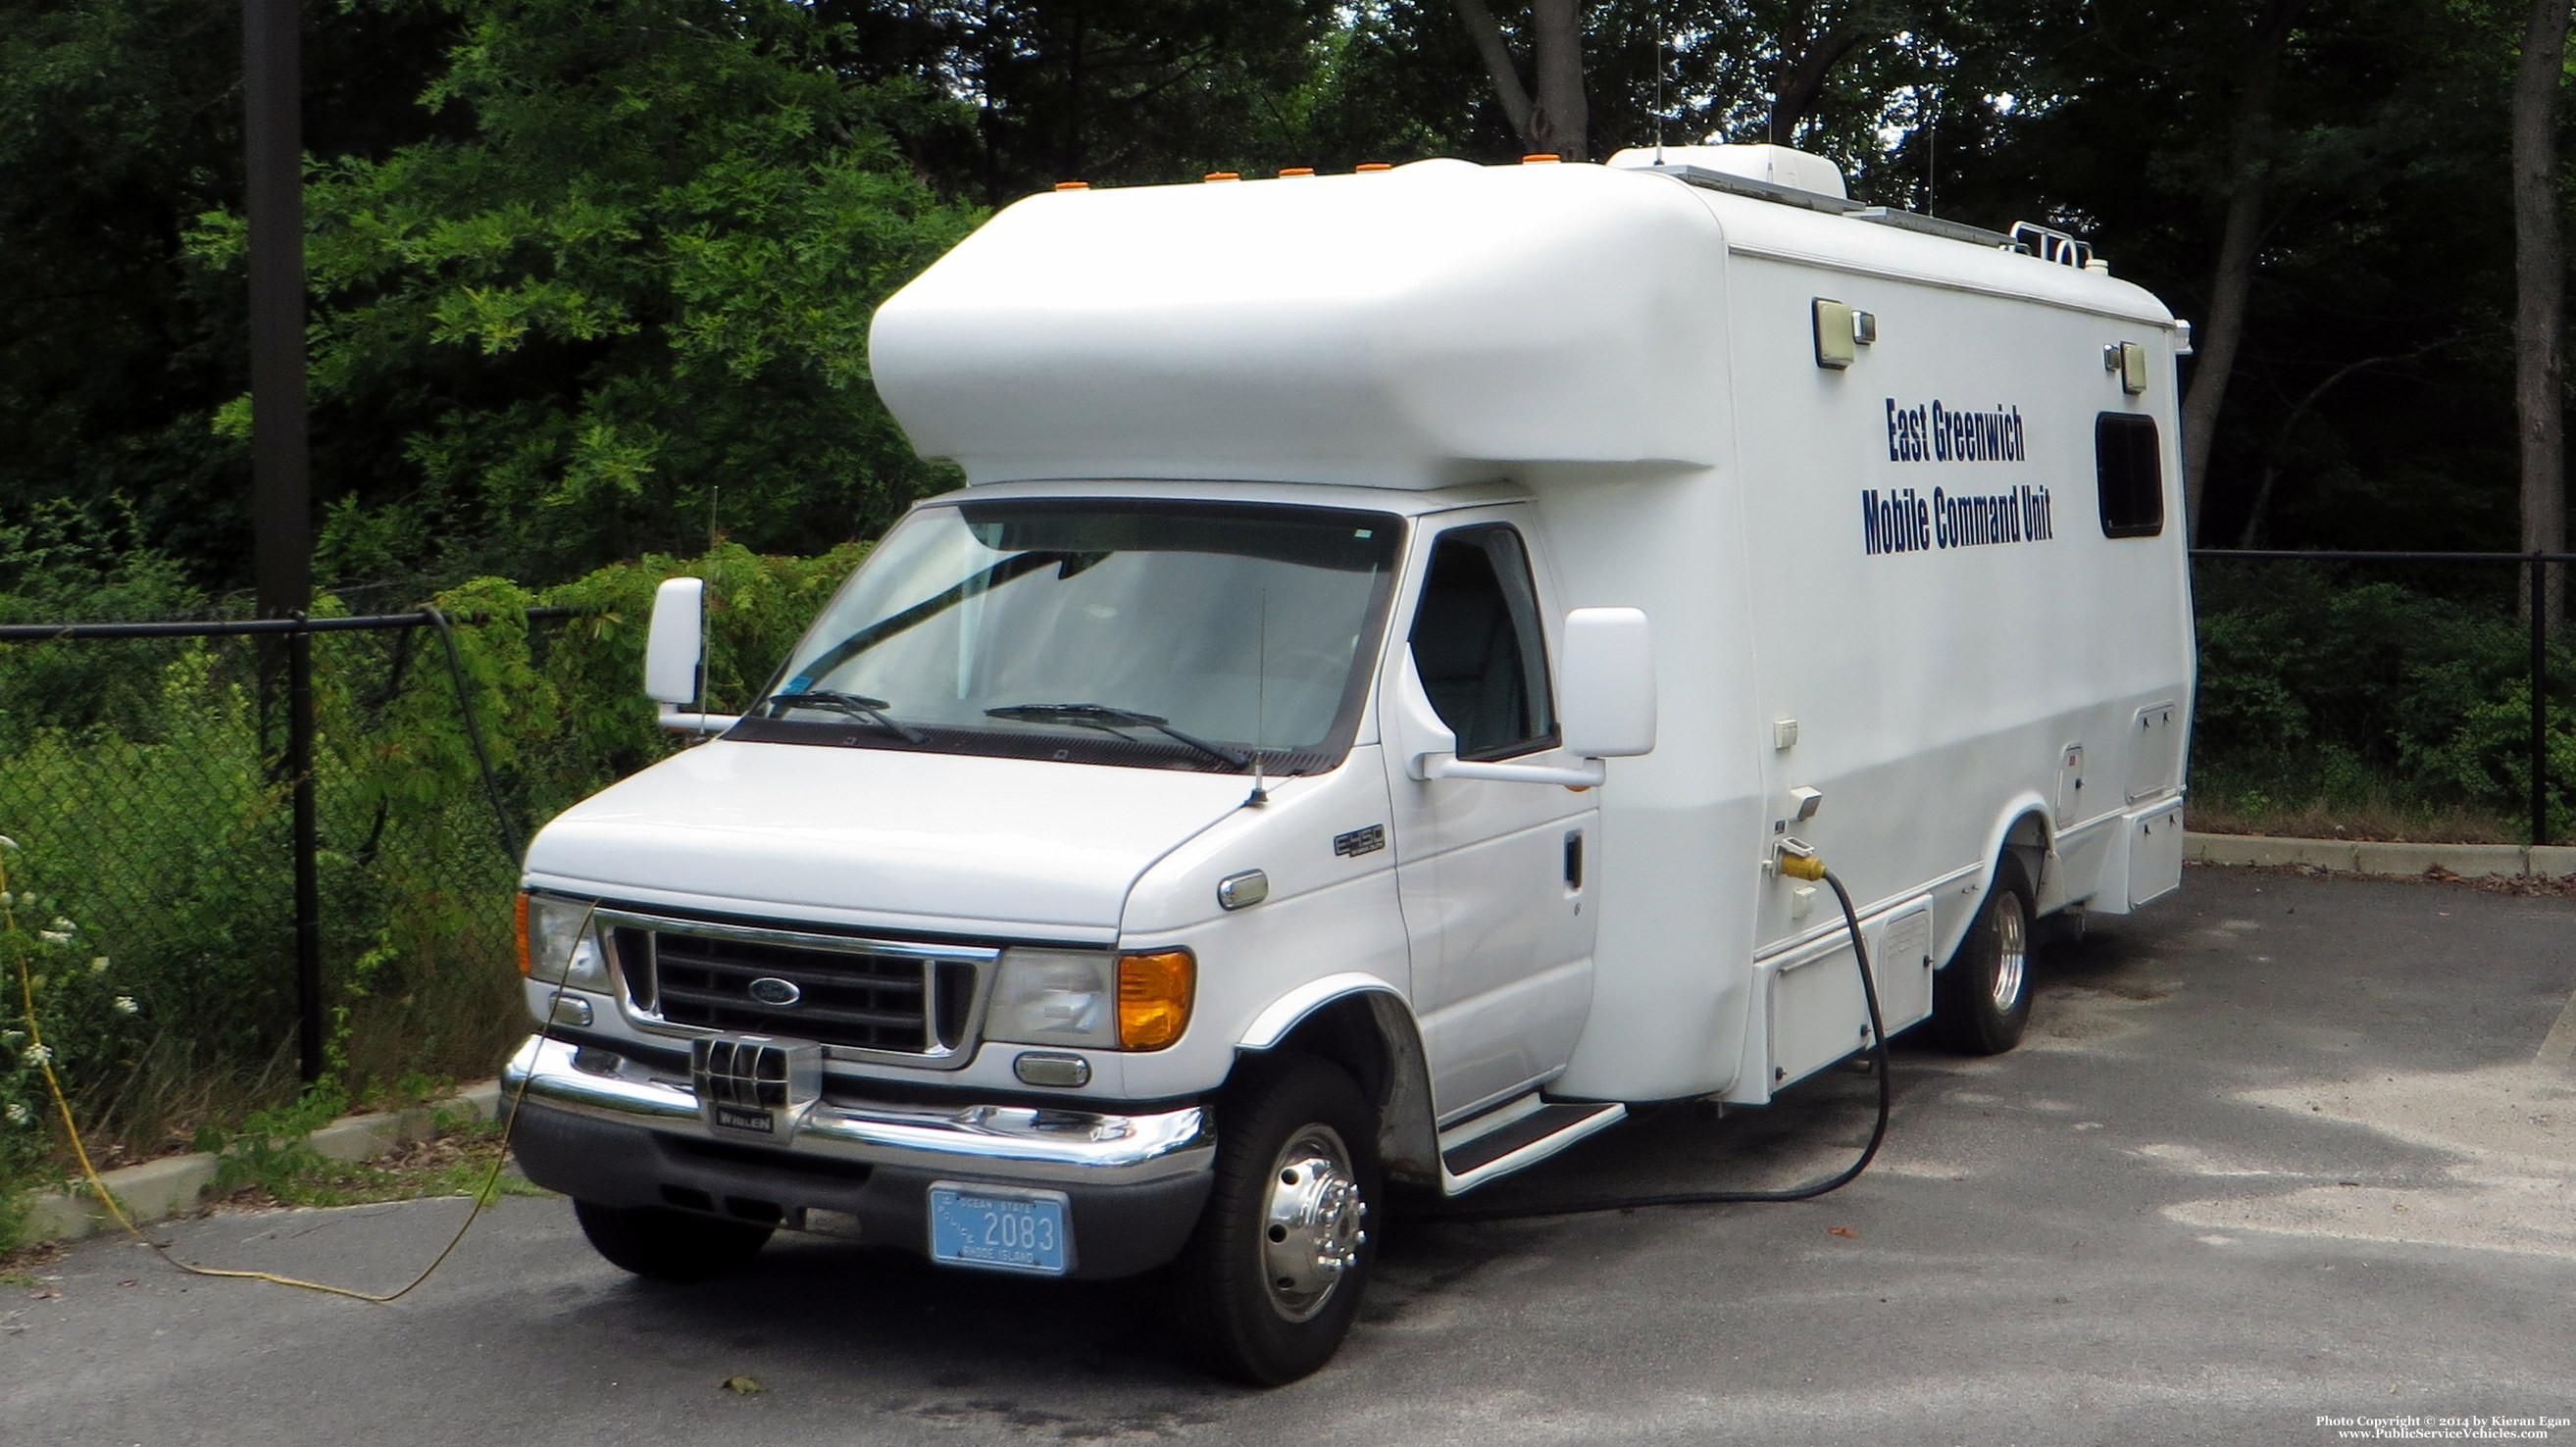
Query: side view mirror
(674, 661)
(1606, 695)
(1606, 707)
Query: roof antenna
(1260, 706)
(706, 625)
(1655, 16)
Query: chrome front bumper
(992, 1142)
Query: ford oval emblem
(771, 990)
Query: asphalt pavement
(2277, 1151)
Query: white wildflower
(12, 1037)
(54, 936)
(7, 843)
(66, 926)
(19, 1114)
(39, 1054)
(98, 965)
(125, 1005)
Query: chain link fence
(254, 852)
(217, 905)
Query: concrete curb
(2356, 856)
(157, 1190)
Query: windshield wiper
(1101, 715)
(871, 709)
(1016, 566)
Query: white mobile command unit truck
(1351, 729)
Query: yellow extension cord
(80, 1151)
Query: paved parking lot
(2281, 1149)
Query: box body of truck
(1393, 626)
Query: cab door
(1493, 875)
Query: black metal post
(308, 879)
(2539, 699)
(281, 492)
(273, 153)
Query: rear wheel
(668, 1245)
(1981, 1002)
(1269, 1283)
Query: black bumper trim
(1118, 1230)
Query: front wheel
(1981, 1002)
(1269, 1283)
(668, 1245)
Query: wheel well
(1345, 1033)
(1371, 1035)
(2027, 842)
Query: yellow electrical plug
(1800, 861)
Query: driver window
(1476, 643)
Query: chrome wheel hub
(1313, 1222)
(2012, 952)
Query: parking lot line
(2559, 1046)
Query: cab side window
(1477, 644)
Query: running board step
(1522, 1133)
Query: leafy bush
(2313, 688)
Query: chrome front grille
(919, 1003)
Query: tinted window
(2128, 465)
(1477, 644)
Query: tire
(1981, 1001)
(668, 1245)
(1271, 1278)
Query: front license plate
(1000, 1229)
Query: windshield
(1188, 635)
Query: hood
(881, 838)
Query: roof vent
(1775, 165)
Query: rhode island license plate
(1000, 1228)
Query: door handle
(1574, 859)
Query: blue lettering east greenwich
(1930, 432)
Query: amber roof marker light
(1073, 185)
(1222, 176)
(1296, 170)
(1374, 166)
(1541, 158)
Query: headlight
(557, 945)
(1055, 997)
(1079, 997)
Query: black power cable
(1878, 1133)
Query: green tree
(122, 124)
(628, 303)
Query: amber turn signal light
(1154, 995)
(522, 898)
